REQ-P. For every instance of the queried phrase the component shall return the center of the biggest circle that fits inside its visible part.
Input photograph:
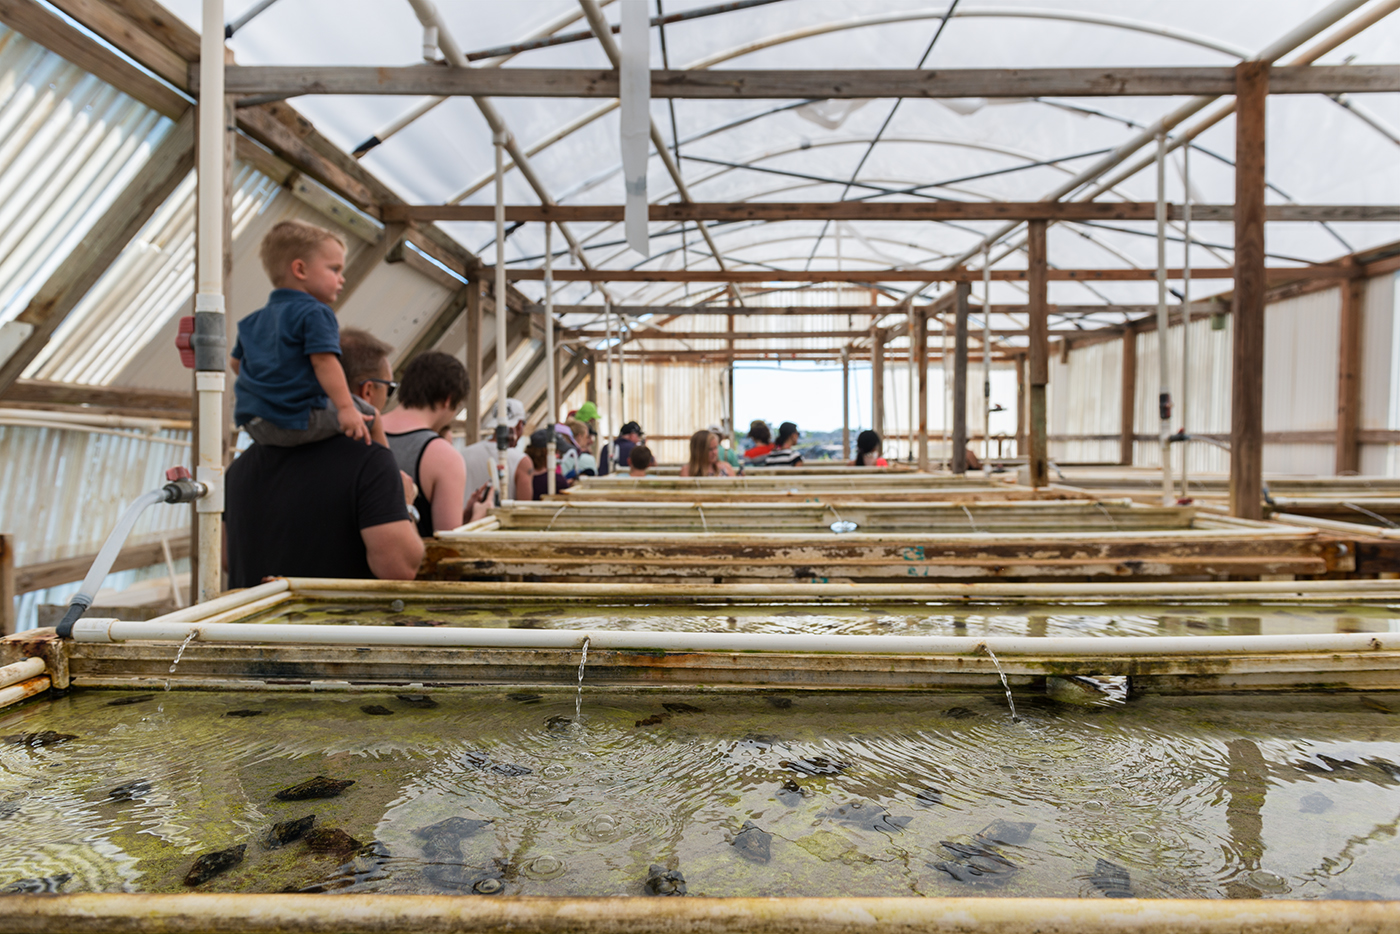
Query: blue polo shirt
(275, 378)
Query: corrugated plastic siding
(1380, 361)
(1300, 379)
(61, 491)
(1084, 398)
(69, 144)
(672, 400)
(147, 287)
(1209, 402)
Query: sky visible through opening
(809, 394)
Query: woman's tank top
(408, 450)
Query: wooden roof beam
(1277, 274)
(885, 211)
(282, 81)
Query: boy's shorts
(320, 425)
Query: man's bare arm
(394, 550)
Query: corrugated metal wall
(1084, 398)
(69, 144)
(1380, 362)
(1300, 387)
(1301, 340)
(1209, 401)
(61, 491)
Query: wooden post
(7, 584)
(1127, 416)
(961, 293)
(1349, 377)
(919, 347)
(877, 380)
(592, 395)
(1039, 367)
(1247, 391)
(473, 360)
(1020, 405)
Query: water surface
(861, 794)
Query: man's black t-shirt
(298, 512)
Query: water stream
(181, 654)
(1011, 702)
(578, 700)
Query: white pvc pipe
(1164, 391)
(502, 309)
(1186, 310)
(947, 392)
(21, 671)
(987, 361)
(604, 439)
(209, 297)
(553, 409)
(112, 630)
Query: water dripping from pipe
(578, 700)
(1009, 700)
(181, 654)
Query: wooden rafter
(792, 84)
(884, 211)
(961, 274)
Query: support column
(210, 341)
(473, 360)
(1020, 405)
(846, 403)
(501, 298)
(591, 394)
(1127, 416)
(877, 380)
(729, 416)
(1038, 375)
(1247, 390)
(1349, 378)
(958, 459)
(7, 584)
(918, 346)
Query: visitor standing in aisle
(430, 395)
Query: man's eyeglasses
(389, 385)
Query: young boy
(291, 389)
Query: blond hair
(289, 240)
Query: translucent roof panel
(1320, 150)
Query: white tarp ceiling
(1319, 152)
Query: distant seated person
(785, 452)
(868, 450)
(291, 389)
(726, 452)
(639, 461)
(533, 472)
(430, 396)
(762, 439)
(704, 457)
(620, 450)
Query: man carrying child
(313, 497)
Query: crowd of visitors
(338, 484)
